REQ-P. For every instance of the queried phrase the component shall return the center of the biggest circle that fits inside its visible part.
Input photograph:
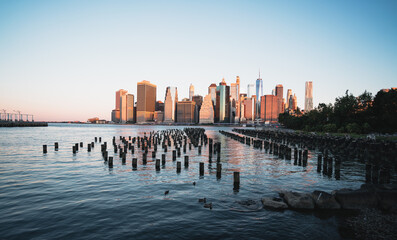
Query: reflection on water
(66, 195)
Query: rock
(356, 199)
(298, 200)
(273, 203)
(324, 200)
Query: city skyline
(63, 60)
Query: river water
(59, 195)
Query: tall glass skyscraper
(259, 88)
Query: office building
(222, 107)
(185, 112)
(146, 101)
(289, 95)
(308, 96)
(207, 111)
(279, 95)
(269, 108)
(212, 92)
(127, 108)
(171, 99)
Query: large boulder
(274, 203)
(356, 199)
(324, 200)
(298, 200)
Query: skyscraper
(126, 108)
(289, 95)
(207, 110)
(279, 95)
(116, 112)
(308, 96)
(171, 99)
(269, 108)
(146, 101)
(250, 90)
(294, 103)
(212, 92)
(191, 92)
(185, 112)
(235, 99)
(222, 108)
(259, 88)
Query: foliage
(362, 114)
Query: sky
(64, 60)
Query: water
(59, 195)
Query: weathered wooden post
(100, 139)
(89, 147)
(178, 167)
(199, 150)
(96, 139)
(134, 163)
(56, 146)
(179, 152)
(81, 144)
(110, 163)
(329, 171)
(163, 159)
(44, 148)
(201, 169)
(74, 149)
(153, 154)
(236, 180)
(300, 158)
(157, 164)
(123, 158)
(186, 161)
(218, 170)
(337, 168)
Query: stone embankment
(22, 124)
(379, 196)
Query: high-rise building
(207, 110)
(222, 107)
(116, 112)
(250, 90)
(146, 101)
(212, 92)
(289, 95)
(250, 108)
(126, 108)
(308, 96)
(259, 88)
(294, 103)
(171, 99)
(159, 106)
(269, 108)
(199, 101)
(185, 112)
(191, 92)
(279, 95)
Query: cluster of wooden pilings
(379, 156)
(148, 147)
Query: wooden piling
(218, 170)
(44, 148)
(173, 155)
(163, 159)
(178, 167)
(134, 163)
(89, 147)
(236, 180)
(201, 169)
(157, 164)
(56, 146)
(110, 162)
(319, 162)
(186, 161)
(144, 159)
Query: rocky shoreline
(378, 196)
(373, 208)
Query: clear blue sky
(64, 60)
